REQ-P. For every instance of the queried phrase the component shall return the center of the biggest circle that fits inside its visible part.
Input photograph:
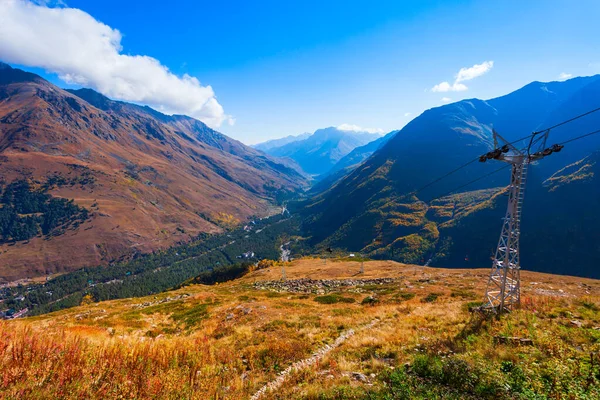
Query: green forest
(156, 272)
(26, 212)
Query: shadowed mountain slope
(374, 208)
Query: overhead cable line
(506, 166)
(567, 121)
(459, 168)
(470, 183)
(445, 176)
(579, 137)
(530, 137)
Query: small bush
(369, 301)
(472, 305)
(463, 294)
(403, 296)
(589, 305)
(430, 298)
(333, 298)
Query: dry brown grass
(228, 340)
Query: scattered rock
(576, 323)
(165, 300)
(549, 292)
(513, 340)
(359, 377)
(317, 286)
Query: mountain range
(274, 143)
(385, 207)
(86, 180)
(104, 179)
(318, 153)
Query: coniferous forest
(26, 212)
(156, 272)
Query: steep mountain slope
(372, 209)
(271, 144)
(146, 179)
(559, 227)
(318, 153)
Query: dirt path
(307, 362)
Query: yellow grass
(226, 341)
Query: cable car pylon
(503, 291)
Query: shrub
(589, 305)
(472, 305)
(464, 294)
(333, 298)
(430, 298)
(369, 300)
(402, 296)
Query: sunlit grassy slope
(413, 337)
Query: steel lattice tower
(503, 292)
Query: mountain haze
(319, 152)
(271, 144)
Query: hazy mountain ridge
(349, 162)
(273, 143)
(319, 152)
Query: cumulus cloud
(407, 114)
(356, 128)
(446, 99)
(564, 75)
(84, 51)
(446, 87)
(464, 74)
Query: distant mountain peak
(319, 152)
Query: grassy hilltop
(395, 332)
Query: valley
(287, 200)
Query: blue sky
(278, 69)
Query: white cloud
(446, 87)
(407, 114)
(84, 51)
(446, 99)
(356, 128)
(464, 74)
(564, 75)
